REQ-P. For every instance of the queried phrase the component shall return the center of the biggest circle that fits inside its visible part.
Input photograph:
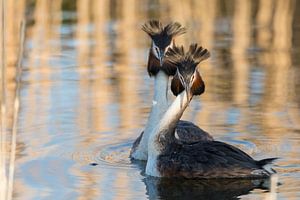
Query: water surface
(86, 95)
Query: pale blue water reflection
(86, 95)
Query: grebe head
(187, 76)
(162, 39)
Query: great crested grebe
(159, 67)
(204, 159)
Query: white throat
(161, 81)
(159, 106)
(165, 126)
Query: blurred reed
(3, 106)
(6, 186)
(16, 112)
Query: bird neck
(161, 81)
(162, 136)
(163, 133)
(159, 106)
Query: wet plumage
(209, 159)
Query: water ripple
(111, 155)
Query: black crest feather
(174, 29)
(152, 27)
(155, 28)
(194, 56)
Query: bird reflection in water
(203, 189)
(212, 189)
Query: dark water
(86, 95)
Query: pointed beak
(161, 57)
(188, 92)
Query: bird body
(168, 157)
(209, 159)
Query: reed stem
(3, 105)
(16, 112)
